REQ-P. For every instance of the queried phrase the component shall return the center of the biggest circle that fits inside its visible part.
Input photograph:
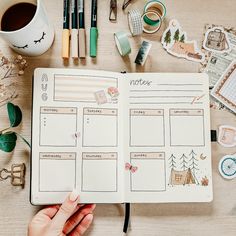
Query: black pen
(66, 30)
(82, 37)
(93, 30)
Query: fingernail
(89, 217)
(74, 195)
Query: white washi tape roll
(135, 22)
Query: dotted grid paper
(229, 88)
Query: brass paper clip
(17, 174)
(126, 4)
(113, 10)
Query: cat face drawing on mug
(25, 26)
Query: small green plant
(7, 136)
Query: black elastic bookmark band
(213, 136)
(127, 217)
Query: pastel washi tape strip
(151, 29)
(143, 53)
(135, 22)
(156, 6)
(122, 43)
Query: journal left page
(76, 136)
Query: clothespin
(17, 174)
(113, 10)
(126, 4)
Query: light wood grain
(216, 218)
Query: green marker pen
(93, 30)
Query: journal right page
(167, 138)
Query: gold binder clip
(17, 174)
(113, 10)
(126, 4)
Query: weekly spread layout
(139, 137)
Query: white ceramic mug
(36, 37)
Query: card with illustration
(224, 90)
(216, 40)
(174, 41)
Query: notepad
(148, 142)
(224, 90)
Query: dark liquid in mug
(18, 16)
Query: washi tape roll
(122, 43)
(150, 29)
(135, 22)
(156, 6)
(143, 53)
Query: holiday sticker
(174, 41)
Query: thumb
(66, 210)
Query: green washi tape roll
(157, 6)
(122, 43)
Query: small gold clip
(17, 174)
(113, 10)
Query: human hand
(68, 219)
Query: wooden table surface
(215, 218)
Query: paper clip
(17, 174)
(113, 10)
(126, 4)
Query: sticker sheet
(120, 137)
(174, 41)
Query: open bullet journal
(138, 137)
